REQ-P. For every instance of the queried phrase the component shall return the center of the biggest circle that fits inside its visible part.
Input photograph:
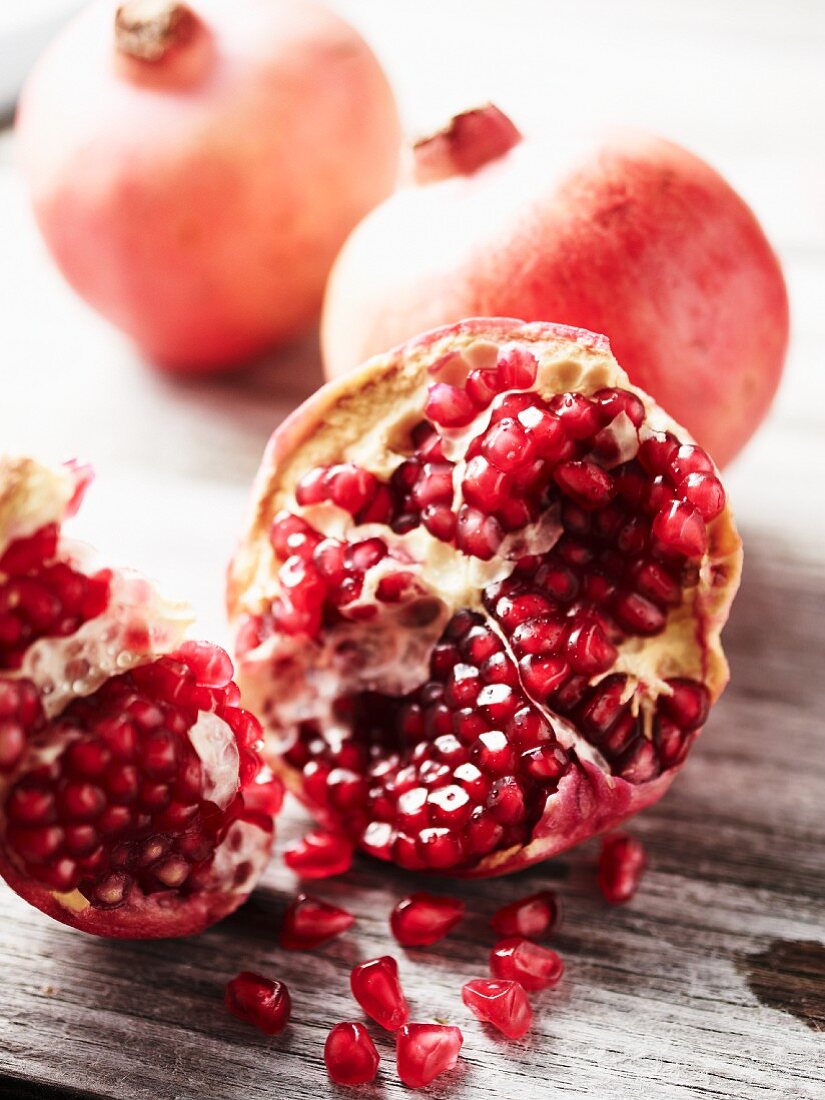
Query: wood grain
(692, 990)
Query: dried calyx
(478, 606)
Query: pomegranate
(529, 964)
(425, 1051)
(262, 1002)
(132, 801)
(195, 167)
(423, 919)
(532, 916)
(377, 989)
(350, 1055)
(503, 1004)
(309, 922)
(622, 862)
(320, 854)
(637, 238)
(479, 601)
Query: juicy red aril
(449, 406)
(425, 1051)
(350, 1055)
(423, 919)
(309, 922)
(320, 854)
(531, 965)
(621, 864)
(43, 597)
(377, 989)
(502, 1003)
(262, 1002)
(681, 529)
(532, 916)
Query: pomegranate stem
(148, 29)
(468, 142)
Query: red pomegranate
(196, 167)
(478, 602)
(637, 239)
(132, 800)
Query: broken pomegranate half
(479, 599)
(132, 800)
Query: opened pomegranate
(132, 801)
(636, 238)
(195, 167)
(479, 601)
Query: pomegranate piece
(320, 854)
(309, 922)
(503, 1004)
(478, 695)
(156, 106)
(133, 802)
(350, 1055)
(262, 1002)
(531, 965)
(544, 242)
(423, 919)
(425, 1051)
(532, 916)
(376, 987)
(622, 862)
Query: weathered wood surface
(711, 983)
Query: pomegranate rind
(137, 627)
(354, 416)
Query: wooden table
(711, 983)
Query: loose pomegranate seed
(532, 966)
(532, 916)
(262, 1002)
(621, 864)
(309, 922)
(503, 1004)
(423, 919)
(377, 988)
(320, 854)
(350, 1055)
(425, 1051)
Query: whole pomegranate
(195, 167)
(637, 239)
(132, 799)
(479, 599)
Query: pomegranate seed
(688, 459)
(508, 446)
(484, 486)
(493, 754)
(262, 1002)
(613, 402)
(503, 1004)
(579, 416)
(546, 432)
(377, 989)
(423, 919)
(449, 406)
(506, 801)
(588, 650)
(638, 614)
(449, 806)
(309, 922)
(350, 1055)
(531, 916)
(440, 848)
(516, 367)
(543, 675)
(477, 534)
(704, 492)
(350, 487)
(586, 482)
(656, 452)
(425, 1051)
(532, 966)
(482, 386)
(688, 705)
(320, 854)
(621, 864)
(681, 528)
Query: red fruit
(350, 1055)
(262, 1002)
(425, 1051)
(220, 151)
(532, 916)
(639, 239)
(529, 964)
(319, 854)
(132, 800)
(503, 1004)
(423, 919)
(475, 697)
(309, 922)
(622, 861)
(376, 987)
